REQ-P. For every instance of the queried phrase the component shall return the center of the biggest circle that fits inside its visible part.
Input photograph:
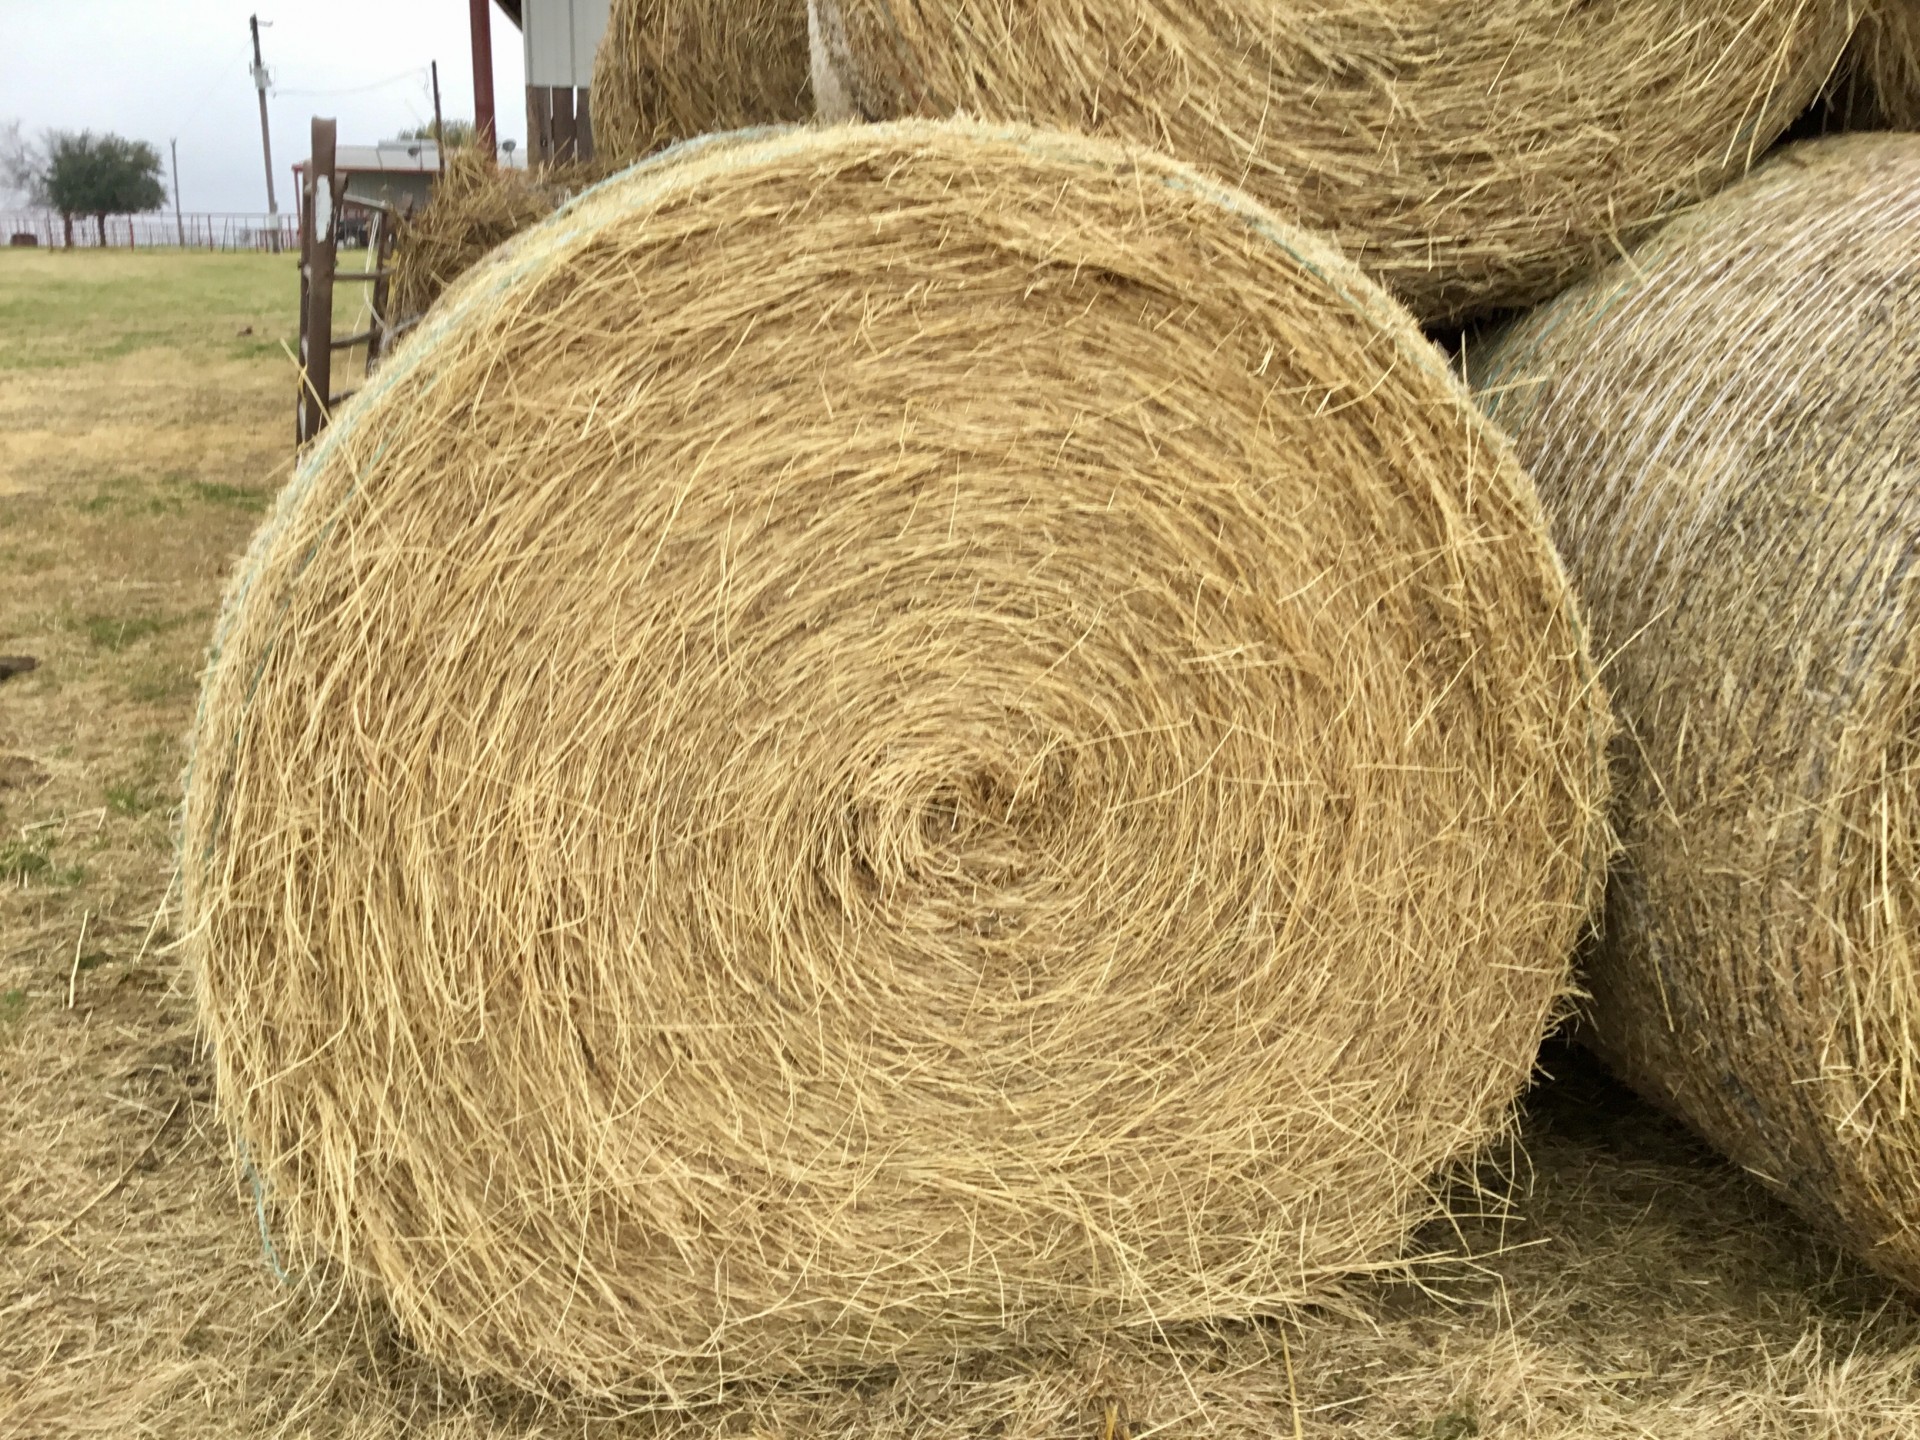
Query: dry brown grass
(670, 70)
(141, 437)
(1642, 1288)
(475, 207)
(1466, 155)
(973, 740)
(1726, 427)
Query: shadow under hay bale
(670, 70)
(1726, 431)
(1878, 84)
(876, 743)
(1467, 156)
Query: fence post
(319, 211)
(382, 256)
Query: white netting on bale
(1726, 429)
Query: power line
(417, 74)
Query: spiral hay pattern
(878, 741)
(1468, 156)
(670, 70)
(1726, 430)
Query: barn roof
(387, 158)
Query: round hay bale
(1726, 430)
(880, 740)
(1469, 156)
(669, 70)
(475, 206)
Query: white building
(559, 38)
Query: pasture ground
(1630, 1285)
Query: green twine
(267, 1247)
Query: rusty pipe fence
(206, 231)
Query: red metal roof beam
(485, 135)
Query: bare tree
(22, 166)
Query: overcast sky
(157, 70)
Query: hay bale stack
(1468, 156)
(1726, 430)
(474, 207)
(880, 740)
(669, 70)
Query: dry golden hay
(670, 70)
(1879, 81)
(475, 206)
(879, 741)
(1726, 430)
(1469, 156)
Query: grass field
(1633, 1287)
(61, 310)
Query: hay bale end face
(1468, 156)
(670, 70)
(876, 741)
(1726, 430)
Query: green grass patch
(13, 1006)
(115, 633)
(133, 799)
(160, 682)
(25, 861)
(252, 349)
(233, 497)
(31, 861)
(151, 783)
(172, 494)
(24, 560)
(129, 495)
(60, 308)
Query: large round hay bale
(1726, 430)
(877, 740)
(1467, 155)
(669, 70)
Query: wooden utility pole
(179, 225)
(439, 131)
(266, 137)
(479, 14)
